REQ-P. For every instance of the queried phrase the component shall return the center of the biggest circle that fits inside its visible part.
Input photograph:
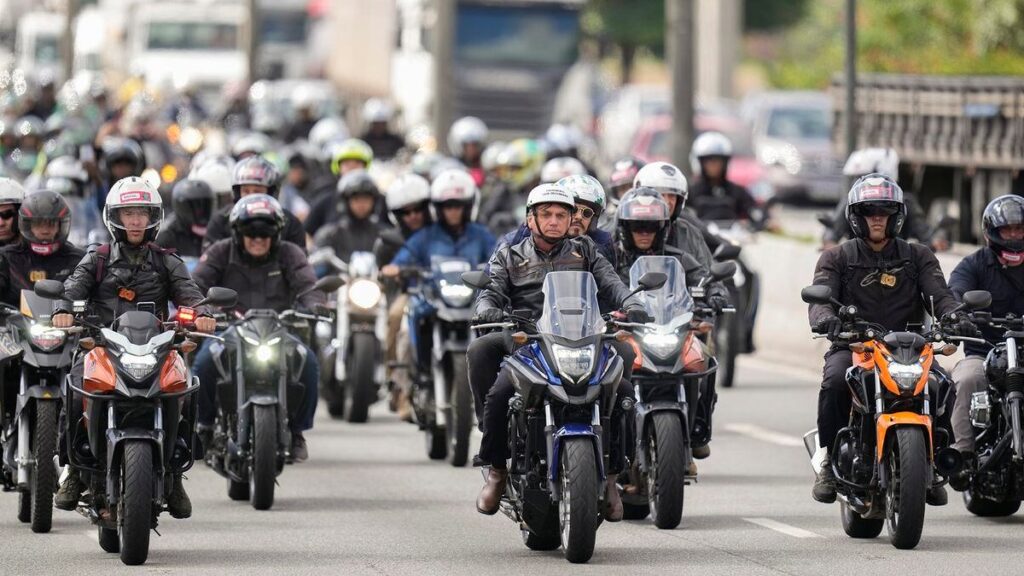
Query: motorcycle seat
(138, 327)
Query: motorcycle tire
(238, 491)
(857, 526)
(578, 515)
(43, 477)
(908, 484)
(986, 508)
(108, 539)
(666, 475)
(24, 507)
(135, 517)
(460, 413)
(360, 377)
(727, 345)
(437, 442)
(330, 390)
(541, 542)
(263, 473)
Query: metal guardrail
(959, 121)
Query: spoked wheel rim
(892, 495)
(652, 476)
(565, 510)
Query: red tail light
(186, 315)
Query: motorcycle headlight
(138, 367)
(906, 376)
(457, 295)
(364, 293)
(46, 338)
(661, 345)
(264, 352)
(574, 363)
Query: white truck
(38, 49)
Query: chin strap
(45, 249)
(199, 230)
(1012, 258)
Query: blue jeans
(300, 417)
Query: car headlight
(138, 367)
(46, 338)
(662, 345)
(457, 295)
(364, 293)
(906, 376)
(573, 363)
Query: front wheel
(360, 377)
(857, 526)
(135, 518)
(263, 473)
(578, 506)
(44, 474)
(908, 484)
(667, 473)
(460, 413)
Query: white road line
(783, 528)
(764, 434)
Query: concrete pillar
(719, 45)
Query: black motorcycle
(734, 333)
(259, 365)
(42, 354)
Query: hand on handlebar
(959, 325)
(390, 271)
(489, 316)
(638, 315)
(830, 327)
(62, 320)
(206, 324)
(717, 304)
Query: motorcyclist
(995, 267)
(254, 175)
(346, 156)
(376, 116)
(267, 272)
(713, 196)
(27, 158)
(119, 158)
(518, 169)
(561, 167)
(250, 144)
(883, 161)
(193, 202)
(357, 226)
(620, 181)
(466, 140)
(12, 194)
(303, 105)
(517, 274)
(885, 278)
(217, 172)
(685, 232)
(114, 278)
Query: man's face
(413, 217)
(581, 220)
(471, 151)
(553, 220)
(44, 230)
(452, 213)
(250, 189)
(1012, 232)
(121, 170)
(135, 220)
(257, 247)
(297, 176)
(350, 164)
(713, 167)
(876, 227)
(671, 200)
(360, 206)
(8, 215)
(643, 239)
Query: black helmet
(643, 209)
(257, 171)
(1003, 211)
(875, 194)
(357, 182)
(193, 202)
(44, 205)
(257, 215)
(116, 150)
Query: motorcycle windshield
(35, 306)
(670, 302)
(570, 306)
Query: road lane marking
(783, 528)
(758, 433)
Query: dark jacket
(348, 235)
(147, 274)
(695, 272)
(20, 268)
(220, 228)
(983, 271)
(517, 272)
(725, 201)
(274, 283)
(889, 288)
(384, 146)
(688, 238)
(175, 235)
(605, 242)
(915, 226)
(324, 210)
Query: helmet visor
(869, 209)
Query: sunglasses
(585, 212)
(8, 214)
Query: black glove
(959, 325)
(489, 316)
(830, 326)
(638, 315)
(717, 303)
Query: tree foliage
(772, 15)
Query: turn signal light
(519, 338)
(861, 348)
(948, 349)
(188, 346)
(704, 327)
(87, 343)
(186, 315)
(622, 336)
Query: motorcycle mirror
(321, 256)
(816, 294)
(51, 289)
(476, 279)
(977, 299)
(327, 284)
(825, 219)
(220, 297)
(393, 239)
(652, 281)
(722, 270)
(727, 251)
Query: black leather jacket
(20, 268)
(349, 235)
(220, 229)
(180, 238)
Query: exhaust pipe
(948, 461)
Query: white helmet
(563, 139)
(406, 190)
(709, 144)
(376, 110)
(11, 192)
(217, 175)
(454, 185)
(663, 177)
(550, 194)
(866, 161)
(325, 131)
(489, 158)
(129, 192)
(463, 131)
(561, 167)
(585, 188)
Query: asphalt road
(369, 502)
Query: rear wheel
(108, 539)
(988, 508)
(727, 335)
(908, 478)
(667, 472)
(437, 442)
(460, 414)
(578, 506)
(856, 526)
(44, 475)
(264, 457)
(135, 518)
(360, 377)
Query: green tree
(631, 24)
(772, 15)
